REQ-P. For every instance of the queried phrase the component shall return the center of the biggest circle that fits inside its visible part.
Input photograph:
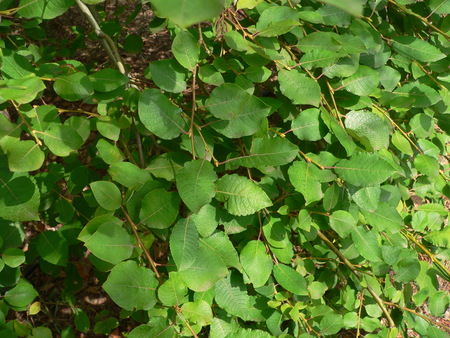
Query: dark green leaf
(298, 87)
(186, 49)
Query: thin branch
(109, 45)
(141, 244)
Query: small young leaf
(132, 287)
(241, 196)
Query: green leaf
(108, 152)
(173, 292)
(53, 247)
(363, 82)
(186, 49)
(195, 183)
(407, 270)
(364, 169)
(308, 125)
(132, 287)
(366, 243)
(331, 324)
(231, 295)
(24, 156)
(268, 152)
(438, 303)
(188, 12)
(352, 7)
(21, 295)
(210, 75)
(62, 140)
(159, 115)
(13, 257)
(207, 269)
(318, 58)
(205, 220)
(167, 165)
(107, 194)
(240, 112)
(44, 9)
(339, 131)
(241, 196)
(256, 263)
(300, 89)
(168, 75)
(290, 279)
(276, 20)
(159, 209)
(342, 222)
(417, 49)
(427, 165)
(184, 243)
(108, 79)
(401, 143)
(129, 175)
(198, 312)
(221, 244)
(384, 218)
(22, 90)
(369, 129)
(19, 197)
(133, 44)
(111, 243)
(74, 87)
(419, 95)
(307, 178)
(15, 66)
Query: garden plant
(281, 170)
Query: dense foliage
(285, 173)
